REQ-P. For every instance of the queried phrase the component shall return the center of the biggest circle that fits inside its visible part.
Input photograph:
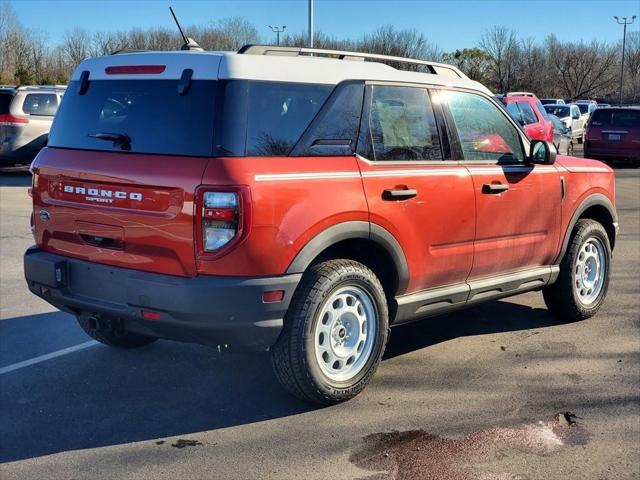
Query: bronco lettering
(101, 193)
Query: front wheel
(335, 333)
(582, 284)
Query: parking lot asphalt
(470, 395)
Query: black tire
(570, 149)
(562, 298)
(581, 138)
(294, 355)
(111, 332)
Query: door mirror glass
(542, 152)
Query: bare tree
(76, 45)
(501, 44)
(583, 70)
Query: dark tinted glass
(584, 107)
(560, 111)
(5, 102)
(528, 115)
(334, 131)
(152, 113)
(44, 104)
(616, 118)
(402, 124)
(279, 113)
(485, 132)
(541, 109)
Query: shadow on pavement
(15, 179)
(101, 396)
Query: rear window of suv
(616, 118)
(5, 102)
(152, 114)
(226, 118)
(40, 104)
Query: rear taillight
(222, 217)
(11, 121)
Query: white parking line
(48, 356)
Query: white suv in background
(26, 114)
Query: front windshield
(584, 107)
(558, 110)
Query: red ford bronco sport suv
(273, 200)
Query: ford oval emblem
(44, 215)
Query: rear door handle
(494, 188)
(399, 194)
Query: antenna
(189, 43)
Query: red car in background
(527, 110)
(613, 133)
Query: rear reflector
(134, 69)
(222, 214)
(10, 121)
(273, 296)
(149, 315)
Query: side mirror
(575, 116)
(521, 122)
(542, 152)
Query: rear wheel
(110, 331)
(581, 138)
(335, 333)
(570, 148)
(584, 273)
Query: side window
(542, 110)
(402, 124)
(40, 104)
(528, 114)
(515, 112)
(334, 131)
(279, 113)
(484, 131)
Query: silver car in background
(26, 114)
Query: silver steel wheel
(345, 333)
(590, 270)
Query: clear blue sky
(450, 24)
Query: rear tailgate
(615, 132)
(113, 209)
(127, 150)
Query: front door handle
(399, 193)
(494, 188)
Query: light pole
(310, 23)
(277, 31)
(624, 40)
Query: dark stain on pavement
(417, 455)
(181, 443)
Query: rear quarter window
(278, 114)
(5, 102)
(40, 104)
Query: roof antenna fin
(189, 43)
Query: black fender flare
(354, 230)
(597, 199)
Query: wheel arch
(596, 207)
(365, 242)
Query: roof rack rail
(519, 94)
(433, 67)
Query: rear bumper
(612, 153)
(217, 311)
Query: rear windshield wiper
(121, 139)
